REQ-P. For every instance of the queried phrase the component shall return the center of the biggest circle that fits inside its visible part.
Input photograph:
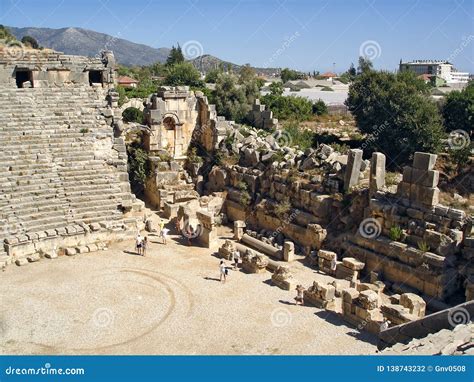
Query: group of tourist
(141, 243)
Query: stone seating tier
(58, 165)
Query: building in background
(436, 68)
(127, 82)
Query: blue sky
(301, 34)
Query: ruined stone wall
(262, 118)
(47, 68)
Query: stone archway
(172, 134)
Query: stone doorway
(22, 77)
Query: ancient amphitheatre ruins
(72, 284)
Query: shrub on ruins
(458, 110)
(132, 114)
(30, 41)
(276, 88)
(320, 107)
(302, 138)
(395, 112)
(183, 73)
(395, 233)
(231, 100)
(292, 107)
(138, 166)
(283, 208)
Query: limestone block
(71, 251)
(21, 262)
(349, 295)
(424, 161)
(342, 272)
(368, 299)
(51, 255)
(377, 172)
(415, 304)
(33, 258)
(352, 174)
(288, 251)
(283, 278)
(353, 264)
(328, 255)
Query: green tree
(30, 41)
(365, 65)
(211, 76)
(132, 114)
(288, 108)
(396, 113)
(276, 88)
(231, 100)
(175, 57)
(138, 166)
(246, 74)
(6, 35)
(183, 73)
(352, 71)
(289, 75)
(458, 110)
(320, 108)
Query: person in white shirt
(164, 234)
(236, 258)
(223, 271)
(139, 243)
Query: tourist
(189, 233)
(144, 245)
(299, 295)
(162, 225)
(178, 225)
(163, 234)
(223, 271)
(139, 243)
(236, 258)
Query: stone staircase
(60, 165)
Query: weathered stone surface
(352, 175)
(377, 172)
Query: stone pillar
(377, 172)
(207, 234)
(288, 251)
(354, 162)
(239, 226)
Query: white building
(442, 69)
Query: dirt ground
(169, 302)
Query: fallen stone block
(33, 258)
(21, 262)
